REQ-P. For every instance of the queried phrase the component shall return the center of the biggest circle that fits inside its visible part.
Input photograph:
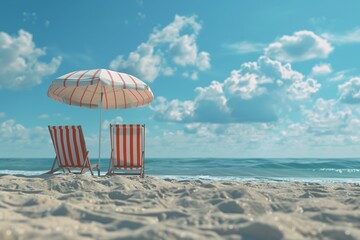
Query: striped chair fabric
(70, 148)
(127, 148)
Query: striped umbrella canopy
(100, 88)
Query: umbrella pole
(98, 167)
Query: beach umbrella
(100, 88)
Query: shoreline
(20, 173)
(80, 206)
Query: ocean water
(269, 169)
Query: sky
(232, 79)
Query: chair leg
(110, 172)
(54, 170)
(53, 165)
(86, 167)
(142, 173)
(142, 164)
(91, 167)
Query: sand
(118, 207)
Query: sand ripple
(83, 207)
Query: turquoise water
(271, 169)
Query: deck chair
(70, 149)
(127, 149)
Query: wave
(20, 172)
(262, 179)
(341, 171)
(227, 169)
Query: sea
(346, 170)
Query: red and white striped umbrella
(91, 88)
(100, 88)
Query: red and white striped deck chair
(70, 149)
(127, 149)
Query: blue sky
(230, 79)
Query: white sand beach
(85, 207)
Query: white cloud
(2, 114)
(12, 132)
(257, 92)
(321, 69)
(348, 37)
(19, 62)
(255, 79)
(326, 127)
(184, 50)
(173, 46)
(229, 140)
(293, 130)
(145, 63)
(203, 61)
(171, 33)
(341, 75)
(192, 76)
(302, 45)
(201, 129)
(106, 123)
(326, 118)
(44, 116)
(245, 47)
(245, 86)
(210, 104)
(174, 111)
(303, 89)
(350, 91)
(16, 140)
(47, 23)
